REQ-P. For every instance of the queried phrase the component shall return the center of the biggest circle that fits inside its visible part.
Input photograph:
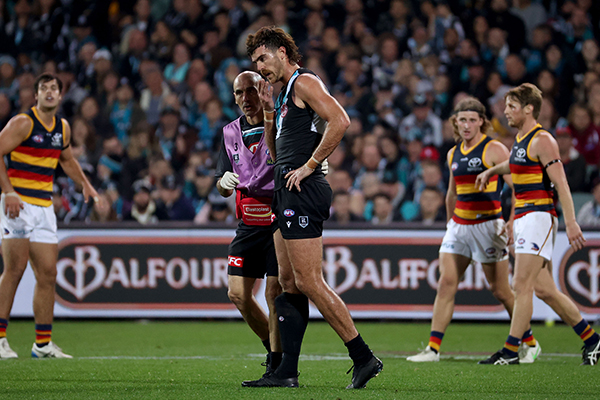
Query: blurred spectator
(371, 163)
(531, 13)
(499, 16)
(383, 212)
(341, 212)
(106, 213)
(162, 43)
(83, 141)
(176, 71)
(8, 83)
(431, 206)
(202, 186)
(90, 111)
(175, 137)
(153, 96)
(589, 214)
(133, 54)
(422, 124)
(573, 163)
(21, 30)
(5, 109)
(586, 136)
(125, 113)
(72, 94)
(143, 208)
(172, 204)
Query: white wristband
(12, 194)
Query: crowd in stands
(148, 88)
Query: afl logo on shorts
(521, 241)
(38, 138)
(490, 251)
(284, 110)
(454, 166)
(235, 261)
(288, 213)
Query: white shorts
(535, 233)
(36, 223)
(480, 242)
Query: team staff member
(535, 168)
(476, 230)
(245, 166)
(304, 127)
(35, 142)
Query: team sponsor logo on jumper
(38, 138)
(288, 223)
(474, 163)
(258, 211)
(236, 158)
(288, 212)
(235, 261)
(521, 153)
(579, 276)
(284, 110)
(303, 221)
(253, 147)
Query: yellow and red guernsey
(533, 188)
(472, 205)
(32, 164)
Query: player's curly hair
(470, 104)
(273, 38)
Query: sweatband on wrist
(312, 163)
(12, 194)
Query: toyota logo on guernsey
(235, 261)
(580, 276)
(288, 213)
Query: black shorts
(252, 252)
(300, 215)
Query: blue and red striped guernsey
(474, 206)
(533, 188)
(31, 165)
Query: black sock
(359, 351)
(292, 314)
(267, 344)
(275, 360)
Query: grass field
(208, 360)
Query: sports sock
(359, 351)
(292, 314)
(511, 347)
(275, 360)
(528, 338)
(267, 344)
(586, 333)
(3, 325)
(43, 333)
(435, 340)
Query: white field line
(309, 357)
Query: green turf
(208, 360)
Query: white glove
(325, 167)
(229, 181)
